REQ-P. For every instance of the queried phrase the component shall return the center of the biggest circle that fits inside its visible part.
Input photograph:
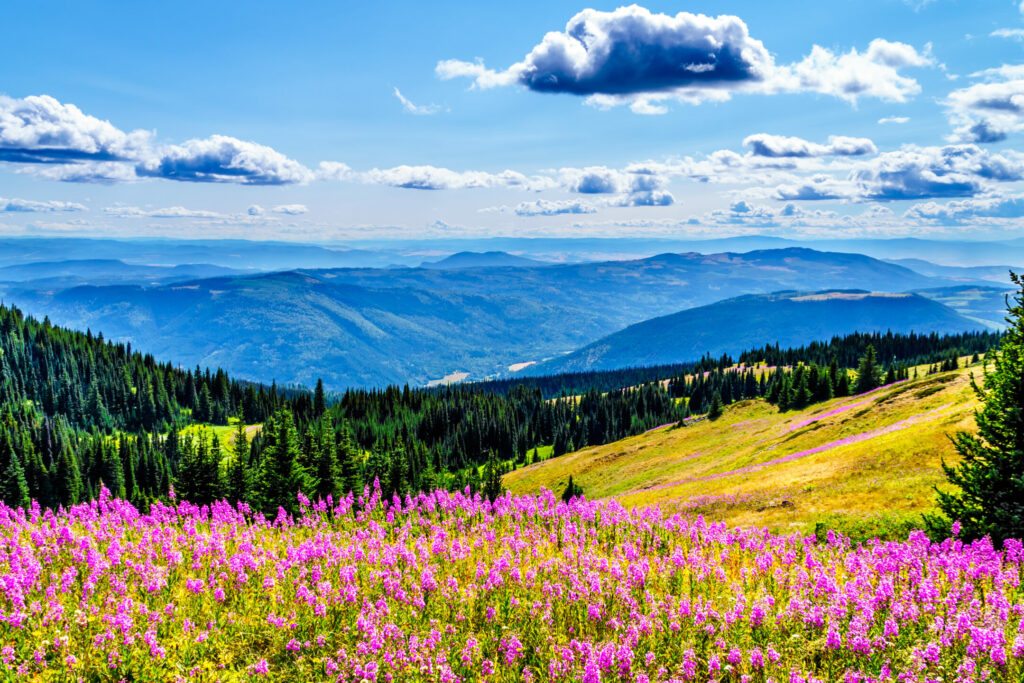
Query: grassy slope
(889, 475)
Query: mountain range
(373, 326)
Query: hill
(487, 259)
(368, 326)
(867, 462)
(788, 318)
(105, 271)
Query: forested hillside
(77, 411)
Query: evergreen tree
(715, 410)
(492, 488)
(13, 485)
(281, 476)
(319, 402)
(890, 374)
(990, 477)
(67, 479)
(348, 457)
(238, 484)
(327, 471)
(868, 373)
(572, 490)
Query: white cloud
(544, 207)
(956, 212)
(334, 170)
(291, 209)
(636, 57)
(224, 159)
(818, 187)
(851, 75)
(417, 109)
(169, 212)
(31, 206)
(1011, 33)
(894, 119)
(765, 145)
(988, 111)
(435, 178)
(101, 172)
(39, 129)
(255, 210)
(924, 172)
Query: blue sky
(867, 117)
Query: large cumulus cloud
(220, 159)
(39, 129)
(632, 55)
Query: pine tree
(238, 486)
(868, 373)
(281, 477)
(13, 485)
(319, 402)
(348, 457)
(572, 490)
(990, 477)
(67, 479)
(715, 410)
(492, 488)
(327, 469)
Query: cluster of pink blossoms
(450, 587)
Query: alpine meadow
(452, 342)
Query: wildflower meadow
(447, 587)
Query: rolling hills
(867, 462)
(729, 326)
(373, 326)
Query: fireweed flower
(451, 587)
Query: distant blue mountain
(787, 318)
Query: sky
(337, 122)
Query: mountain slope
(871, 459)
(789, 318)
(294, 327)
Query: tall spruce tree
(238, 484)
(868, 372)
(327, 470)
(492, 488)
(13, 485)
(319, 401)
(348, 456)
(990, 476)
(281, 476)
(715, 409)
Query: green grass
(879, 485)
(225, 433)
